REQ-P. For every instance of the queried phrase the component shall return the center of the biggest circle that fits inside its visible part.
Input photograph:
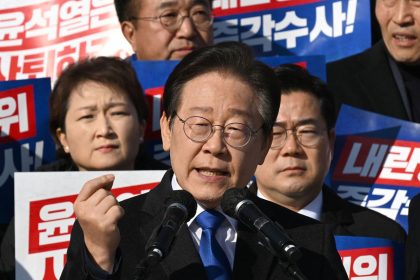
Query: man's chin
(209, 201)
(406, 56)
(179, 54)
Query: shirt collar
(312, 210)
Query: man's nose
(187, 27)
(216, 144)
(291, 145)
(403, 13)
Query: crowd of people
(227, 120)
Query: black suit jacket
(252, 261)
(413, 241)
(366, 81)
(347, 218)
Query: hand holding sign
(98, 212)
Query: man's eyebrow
(299, 122)
(200, 109)
(210, 109)
(202, 2)
(166, 4)
(240, 112)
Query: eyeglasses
(200, 129)
(307, 136)
(172, 20)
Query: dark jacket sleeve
(7, 253)
(79, 265)
(75, 267)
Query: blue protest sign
(25, 141)
(376, 162)
(332, 28)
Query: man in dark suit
(412, 247)
(384, 79)
(293, 172)
(219, 108)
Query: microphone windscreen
(231, 198)
(185, 198)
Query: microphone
(235, 204)
(181, 208)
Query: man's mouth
(404, 38)
(185, 49)
(212, 172)
(293, 168)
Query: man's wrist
(96, 270)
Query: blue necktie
(212, 255)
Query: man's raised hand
(98, 213)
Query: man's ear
(165, 131)
(129, 31)
(61, 136)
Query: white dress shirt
(312, 210)
(226, 235)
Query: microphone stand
(287, 262)
(145, 264)
(142, 269)
(292, 269)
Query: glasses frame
(175, 27)
(296, 137)
(212, 131)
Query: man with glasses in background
(295, 167)
(165, 29)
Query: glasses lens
(169, 19)
(197, 128)
(237, 134)
(308, 136)
(201, 18)
(279, 136)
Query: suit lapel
(320, 259)
(380, 92)
(183, 260)
(252, 260)
(333, 210)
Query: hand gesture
(98, 212)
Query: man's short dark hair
(126, 9)
(295, 78)
(108, 71)
(228, 58)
